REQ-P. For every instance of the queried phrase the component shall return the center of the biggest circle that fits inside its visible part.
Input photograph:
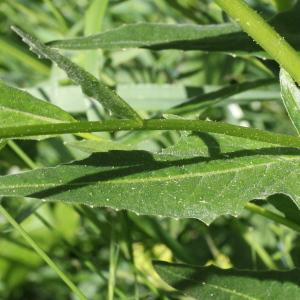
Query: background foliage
(110, 252)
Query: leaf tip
(17, 30)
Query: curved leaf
(214, 283)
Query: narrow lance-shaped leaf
(214, 283)
(225, 37)
(290, 95)
(163, 36)
(90, 85)
(204, 176)
(213, 98)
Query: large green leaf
(203, 176)
(290, 94)
(19, 108)
(224, 37)
(90, 85)
(214, 283)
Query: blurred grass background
(106, 251)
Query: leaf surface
(19, 108)
(290, 95)
(214, 283)
(91, 146)
(222, 37)
(203, 176)
(90, 85)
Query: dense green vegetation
(149, 149)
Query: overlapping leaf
(203, 176)
(214, 283)
(225, 37)
(90, 85)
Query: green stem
(153, 124)
(27, 160)
(260, 250)
(176, 248)
(113, 259)
(129, 243)
(274, 44)
(272, 216)
(42, 253)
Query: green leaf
(89, 84)
(286, 206)
(180, 98)
(217, 97)
(163, 36)
(91, 146)
(93, 19)
(225, 37)
(232, 284)
(290, 95)
(19, 108)
(204, 176)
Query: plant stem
(27, 160)
(129, 243)
(152, 124)
(42, 253)
(274, 44)
(113, 260)
(272, 216)
(259, 250)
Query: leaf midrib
(143, 180)
(34, 116)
